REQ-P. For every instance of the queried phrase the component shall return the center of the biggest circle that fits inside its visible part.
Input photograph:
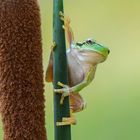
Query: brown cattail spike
(21, 73)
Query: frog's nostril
(108, 51)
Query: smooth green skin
(92, 46)
(88, 54)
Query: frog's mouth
(91, 57)
(101, 50)
(98, 57)
(104, 54)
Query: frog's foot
(53, 46)
(67, 27)
(65, 19)
(66, 121)
(65, 91)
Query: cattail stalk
(21, 72)
(60, 73)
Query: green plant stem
(60, 73)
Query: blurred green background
(113, 98)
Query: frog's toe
(65, 94)
(60, 84)
(58, 90)
(61, 13)
(67, 121)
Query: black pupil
(89, 41)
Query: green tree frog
(83, 58)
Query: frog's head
(93, 49)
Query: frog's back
(75, 69)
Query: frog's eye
(90, 41)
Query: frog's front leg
(65, 19)
(66, 90)
(67, 28)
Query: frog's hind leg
(49, 71)
(77, 103)
(67, 120)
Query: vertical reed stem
(60, 73)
